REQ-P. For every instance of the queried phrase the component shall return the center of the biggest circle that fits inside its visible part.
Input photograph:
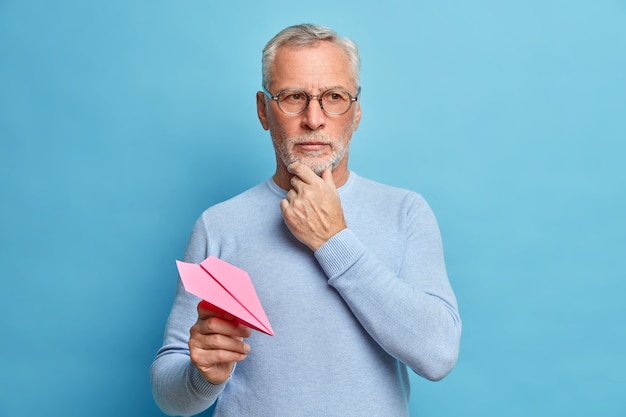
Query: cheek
(277, 132)
(283, 127)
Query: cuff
(339, 253)
(204, 387)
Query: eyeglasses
(335, 101)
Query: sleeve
(178, 387)
(412, 315)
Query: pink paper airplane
(226, 287)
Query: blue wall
(120, 121)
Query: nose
(314, 117)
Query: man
(350, 272)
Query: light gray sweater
(348, 319)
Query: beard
(315, 160)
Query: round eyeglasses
(335, 101)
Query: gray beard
(311, 159)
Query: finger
(206, 310)
(220, 342)
(296, 183)
(207, 358)
(217, 325)
(327, 176)
(212, 319)
(302, 171)
(213, 361)
(215, 366)
(291, 195)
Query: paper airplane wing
(226, 287)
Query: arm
(200, 349)
(411, 314)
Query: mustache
(308, 138)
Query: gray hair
(308, 35)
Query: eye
(293, 96)
(335, 96)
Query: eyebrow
(321, 90)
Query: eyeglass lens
(333, 101)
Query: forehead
(322, 65)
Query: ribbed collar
(282, 193)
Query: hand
(312, 209)
(216, 343)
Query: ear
(261, 109)
(357, 117)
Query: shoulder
(376, 192)
(240, 204)
(228, 220)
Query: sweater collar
(341, 190)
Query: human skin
(311, 140)
(314, 70)
(216, 343)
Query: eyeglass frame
(309, 97)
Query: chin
(318, 166)
(317, 163)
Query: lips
(312, 146)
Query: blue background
(120, 121)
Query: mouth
(312, 146)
